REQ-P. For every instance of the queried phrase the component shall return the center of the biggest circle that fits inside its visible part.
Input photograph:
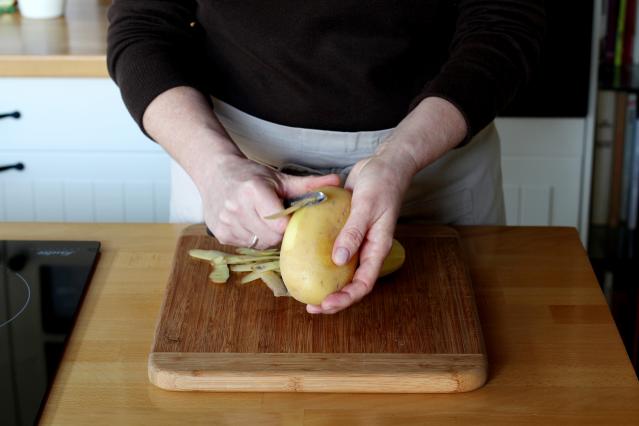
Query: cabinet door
(86, 160)
(542, 169)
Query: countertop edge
(53, 66)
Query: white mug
(41, 9)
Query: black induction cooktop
(42, 284)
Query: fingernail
(341, 256)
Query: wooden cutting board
(418, 330)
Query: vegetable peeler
(293, 204)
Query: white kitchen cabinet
(86, 160)
(544, 164)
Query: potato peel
(261, 264)
(275, 283)
(220, 274)
(255, 275)
(233, 260)
(209, 255)
(253, 252)
(273, 265)
(246, 267)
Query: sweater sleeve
(494, 49)
(150, 49)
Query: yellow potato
(394, 259)
(306, 261)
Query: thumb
(292, 186)
(350, 237)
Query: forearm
(184, 124)
(431, 129)
(495, 48)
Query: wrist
(433, 128)
(207, 157)
(395, 154)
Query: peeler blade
(294, 204)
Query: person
(259, 101)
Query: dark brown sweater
(343, 65)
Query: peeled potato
(306, 261)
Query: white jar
(41, 9)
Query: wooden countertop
(73, 45)
(554, 353)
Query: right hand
(238, 193)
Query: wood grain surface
(424, 315)
(73, 45)
(555, 356)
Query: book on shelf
(621, 107)
(629, 33)
(619, 35)
(608, 47)
(633, 197)
(615, 179)
(629, 139)
(603, 21)
(619, 32)
(602, 161)
(634, 50)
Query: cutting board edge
(338, 372)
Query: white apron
(464, 187)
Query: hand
(238, 193)
(378, 184)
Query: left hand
(378, 184)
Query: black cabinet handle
(17, 166)
(14, 114)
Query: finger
(314, 309)
(288, 186)
(243, 237)
(226, 236)
(268, 237)
(248, 238)
(248, 218)
(267, 203)
(349, 295)
(371, 258)
(292, 186)
(352, 234)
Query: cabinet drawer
(64, 113)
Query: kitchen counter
(554, 353)
(73, 45)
